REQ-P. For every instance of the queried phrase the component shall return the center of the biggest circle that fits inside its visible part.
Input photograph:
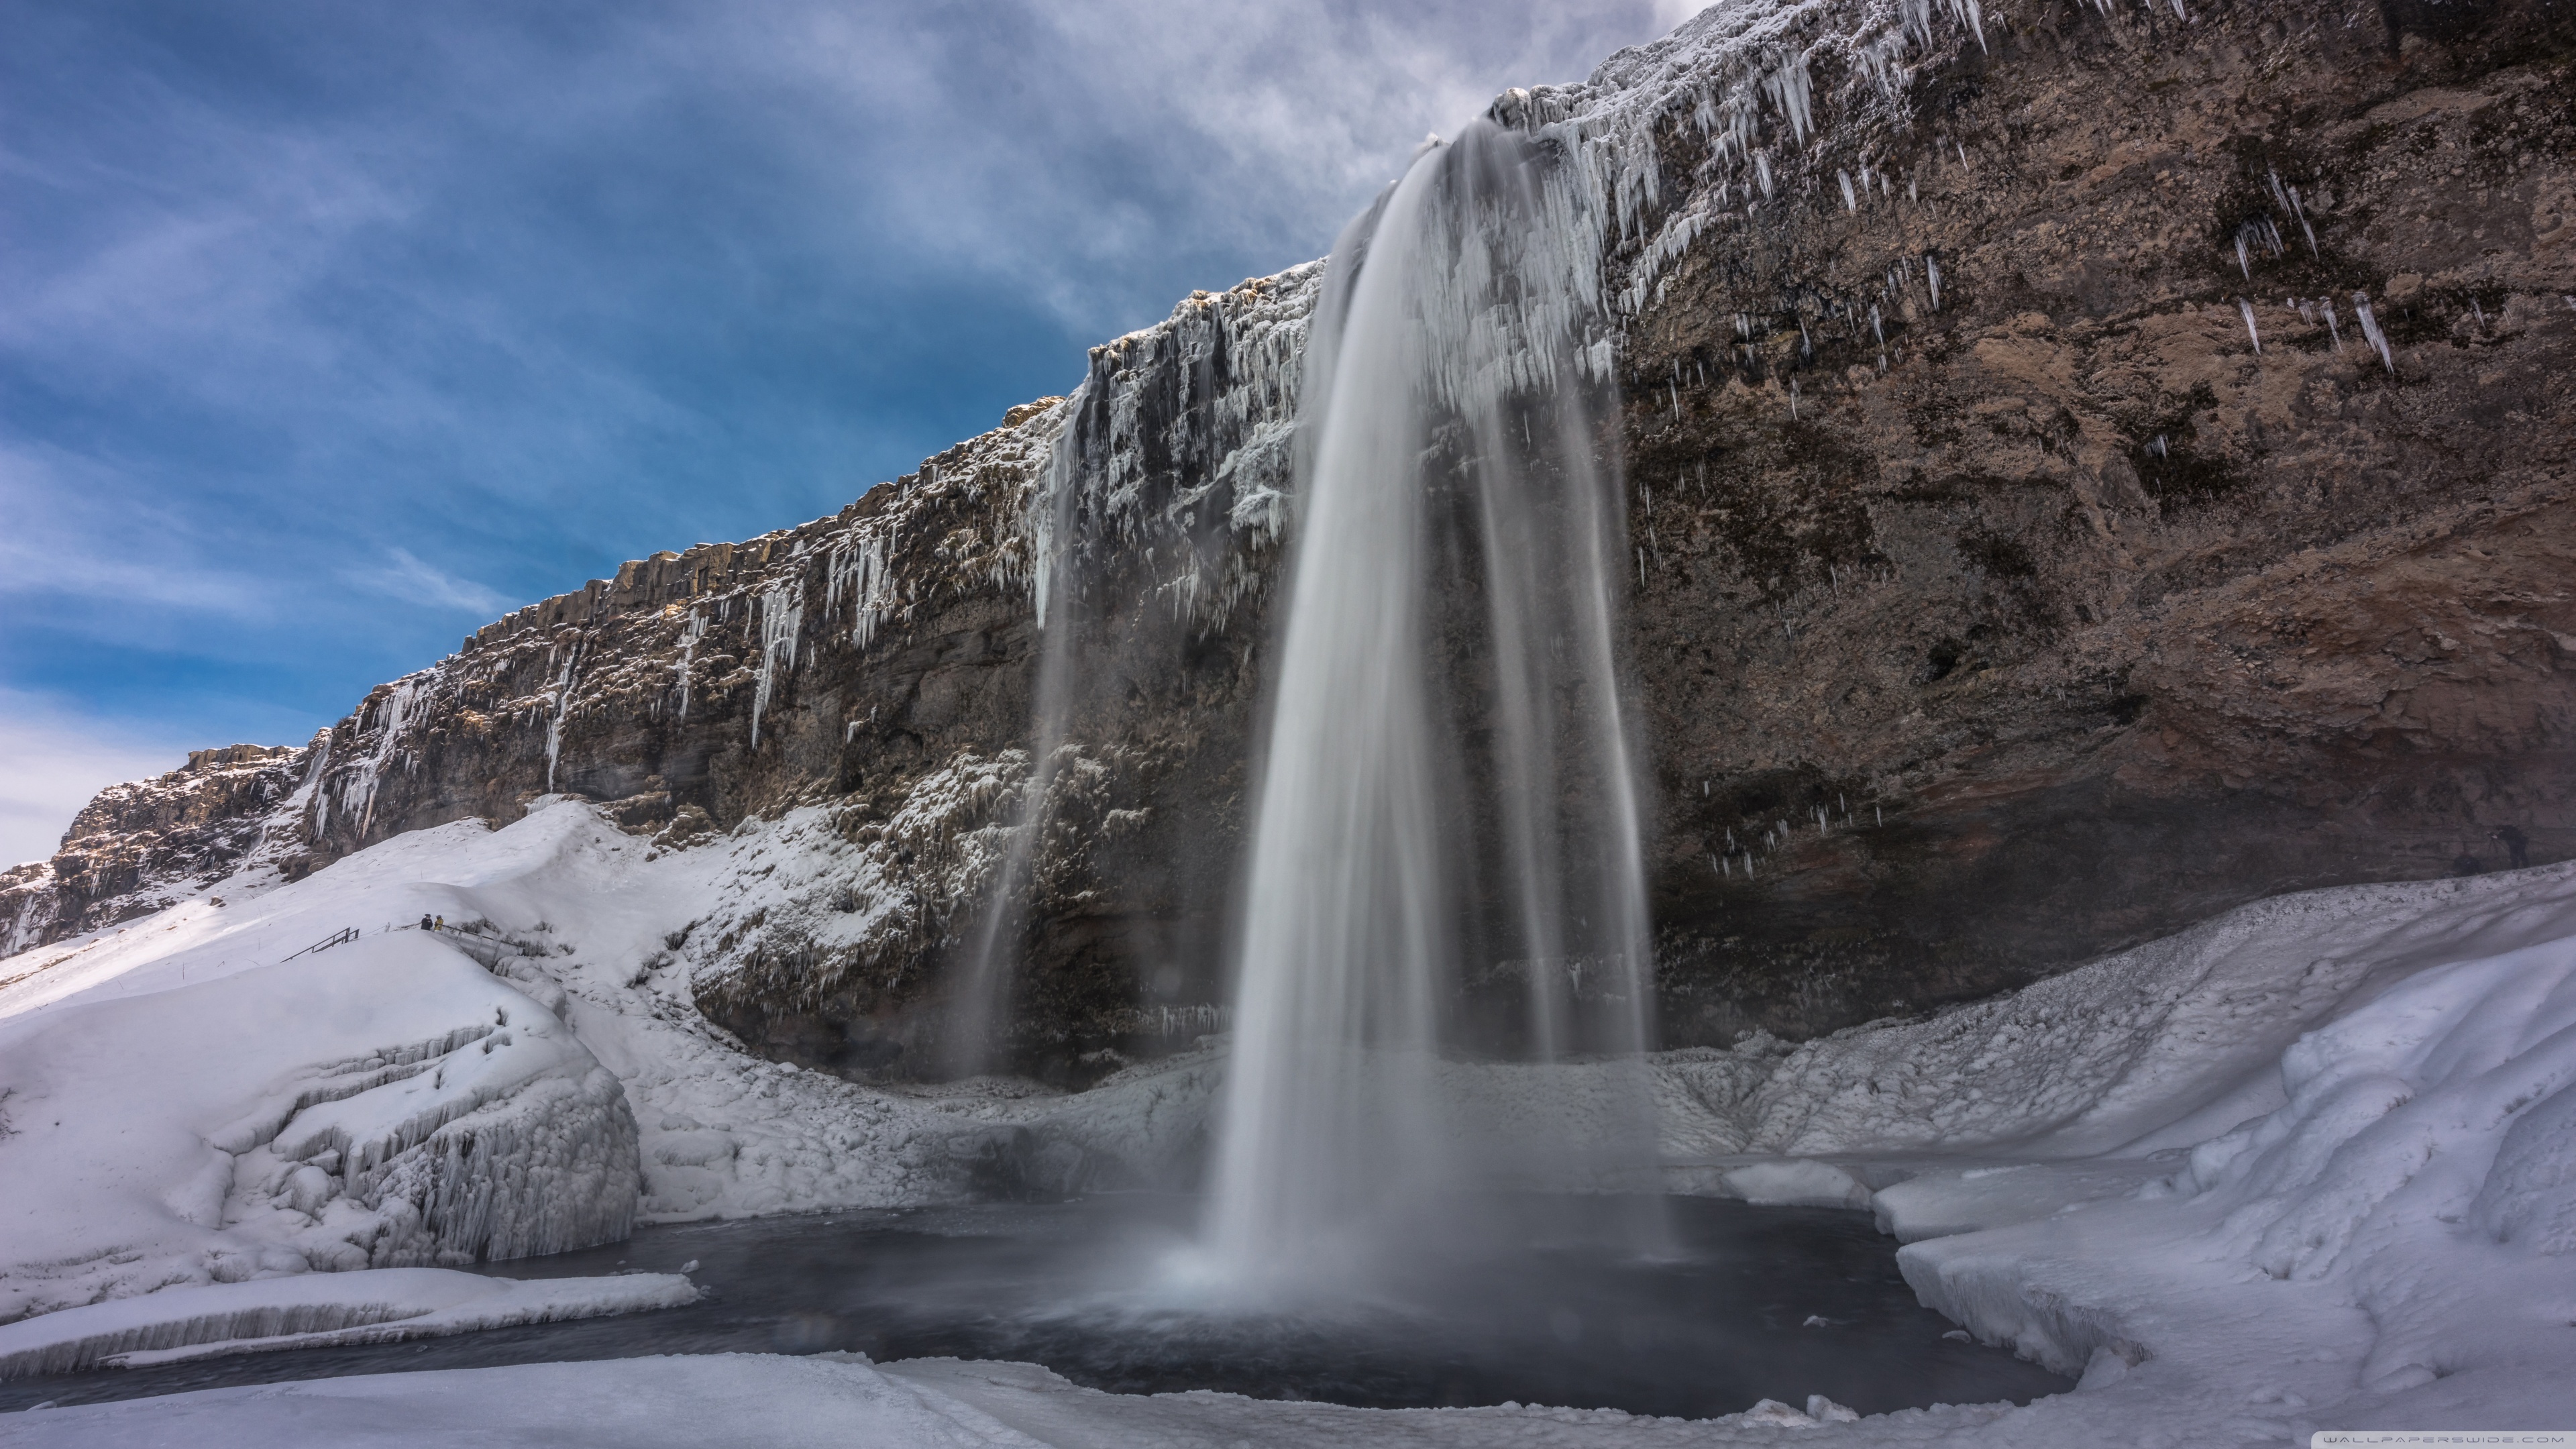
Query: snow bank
(383, 1104)
(839, 1400)
(2392, 1242)
(682, 1403)
(372, 1306)
(198, 1098)
(2160, 1046)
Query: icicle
(690, 634)
(2333, 331)
(1793, 399)
(2370, 331)
(1932, 274)
(1849, 204)
(1762, 172)
(782, 619)
(2248, 309)
(554, 725)
(1792, 93)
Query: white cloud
(52, 761)
(411, 580)
(79, 528)
(1058, 144)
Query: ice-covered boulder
(383, 1103)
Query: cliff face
(2103, 551)
(1998, 603)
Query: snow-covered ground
(2309, 1165)
(202, 1098)
(314, 1310)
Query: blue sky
(331, 331)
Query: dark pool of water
(1745, 1303)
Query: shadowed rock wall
(1975, 632)
(2077, 616)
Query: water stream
(1448, 778)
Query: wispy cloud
(546, 287)
(79, 530)
(405, 577)
(1074, 145)
(53, 759)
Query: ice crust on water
(376, 1305)
(681, 1403)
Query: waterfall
(979, 1004)
(1448, 788)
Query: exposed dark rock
(1987, 636)
(2080, 620)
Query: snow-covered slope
(2390, 1247)
(2156, 1047)
(387, 1103)
(270, 1078)
(2309, 1163)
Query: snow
(2306, 1165)
(837, 1400)
(1795, 1184)
(684, 1403)
(196, 1098)
(374, 1305)
(384, 1103)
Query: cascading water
(979, 1004)
(1448, 785)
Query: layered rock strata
(2039, 548)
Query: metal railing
(340, 937)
